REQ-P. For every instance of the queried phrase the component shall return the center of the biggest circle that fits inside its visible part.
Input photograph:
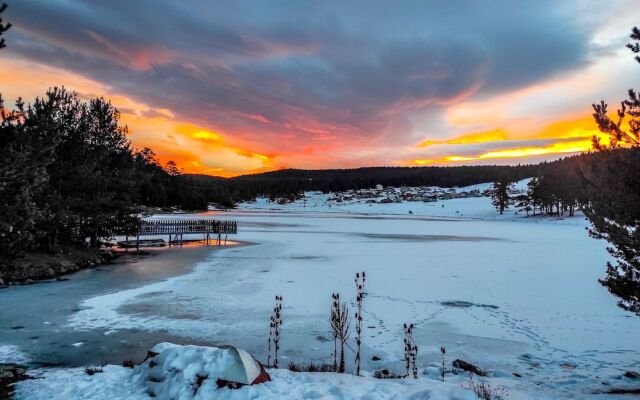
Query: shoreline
(29, 319)
(37, 266)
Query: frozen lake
(512, 295)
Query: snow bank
(177, 372)
(467, 207)
(173, 375)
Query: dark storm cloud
(301, 68)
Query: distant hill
(289, 183)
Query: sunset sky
(234, 87)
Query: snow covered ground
(118, 383)
(12, 353)
(457, 207)
(513, 295)
(179, 372)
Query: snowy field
(513, 295)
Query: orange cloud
(194, 148)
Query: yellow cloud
(574, 146)
(474, 137)
(206, 135)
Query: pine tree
(26, 154)
(3, 27)
(613, 190)
(500, 193)
(618, 135)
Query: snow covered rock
(180, 372)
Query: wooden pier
(210, 229)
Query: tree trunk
(342, 368)
(335, 355)
(94, 237)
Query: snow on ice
(517, 296)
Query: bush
(309, 367)
(485, 391)
(385, 374)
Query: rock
(150, 354)
(461, 364)
(6, 375)
(631, 375)
(9, 375)
(375, 358)
(10, 371)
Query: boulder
(6, 375)
(9, 375)
(463, 365)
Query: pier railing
(183, 227)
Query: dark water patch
(466, 304)
(257, 224)
(152, 294)
(428, 238)
(308, 258)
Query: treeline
(556, 188)
(68, 173)
(292, 182)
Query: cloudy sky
(234, 87)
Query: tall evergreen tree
(23, 175)
(629, 108)
(500, 193)
(613, 189)
(4, 26)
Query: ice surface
(508, 293)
